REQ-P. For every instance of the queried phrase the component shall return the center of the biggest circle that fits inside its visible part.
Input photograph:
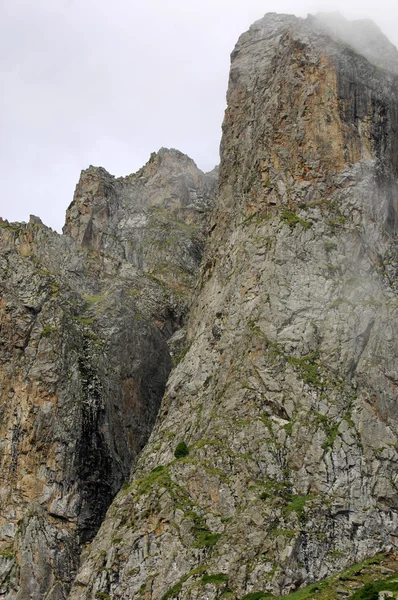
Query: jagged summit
(286, 395)
(85, 320)
(273, 459)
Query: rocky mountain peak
(272, 463)
(85, 318)
(118, 216)
(264, 456)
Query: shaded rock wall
(84, 358)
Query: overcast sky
(107, 83)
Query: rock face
(85, 319)
(273, 461)
(155, 219)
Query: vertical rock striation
(287, 395)
(84, 324)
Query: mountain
(86, 319)
(273, 460)
(199, 385)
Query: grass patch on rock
(290, 218)
(216, 579)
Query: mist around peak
(363, 35)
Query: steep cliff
(85, 319)
(273, 461)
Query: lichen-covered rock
(286, 398)
(84, 359)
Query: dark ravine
(271, 455)
(84, 356)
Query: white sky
(108, 82)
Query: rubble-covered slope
(84, 358)
(273, 462)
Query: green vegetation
(8, 554)
(308, 592)
(366, 573)
(290, 218)
(86, 321)
(276, 489)
(330, 246)
(256, 596)
(219, 578)
(181, 450)
(173, 591)
(93, 299)
(331, 427)
(336, 222)
(308, 366)
(15, 227)
(227, 593)
(257, 217)
(297, 504)
(368, 592)
(176, 589)
(102, 596)
(288, 428)
(48, 330)
(206, 539)
(332, 431)
(117, 541)
(155, 476)
(287, 533)
(177, 358)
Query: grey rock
(286, 394)
(84, 358)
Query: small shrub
(181, 450)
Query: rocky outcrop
(84, 357)
(274, 457)
(155, 219)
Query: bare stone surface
(286, 394)
(85, 319)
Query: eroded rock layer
(273, 462)
(85, 319)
